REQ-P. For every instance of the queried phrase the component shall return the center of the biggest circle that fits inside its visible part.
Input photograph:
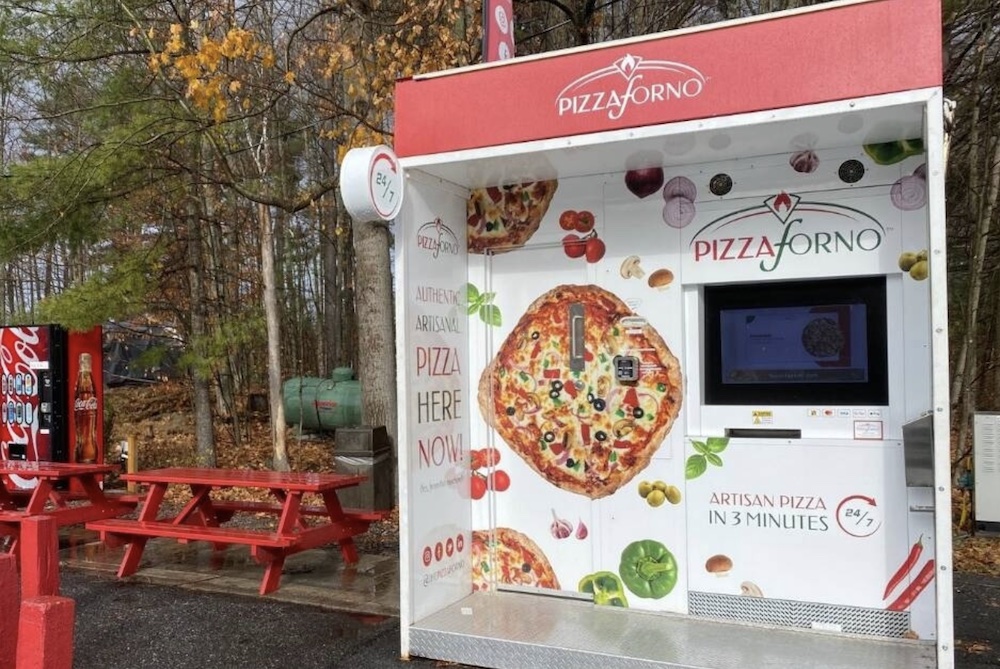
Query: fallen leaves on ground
(973, 647)
(977, 554)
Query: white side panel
(434, 400)
(937, 219)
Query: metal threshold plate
(513, 631)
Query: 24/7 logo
(630, 80)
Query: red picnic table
(202, 517)
(46, 497)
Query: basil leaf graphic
(700, 447)
(714, 459)
(695, 467)
(490, 314)
(471, 293)
(717, 444)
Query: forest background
(174, 163)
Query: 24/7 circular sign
(371, 183)
(859, 516)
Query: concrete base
(316, 577)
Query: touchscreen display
(794, 344)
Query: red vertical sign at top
(498, 29)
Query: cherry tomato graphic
(594, 249)
(478, 459)
(491, 456)
(568, 220)
(574, 246)
(584, 221)
(478, 486)
(499, 480)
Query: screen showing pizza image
(506, 556)
(551, 393)
(800, 344)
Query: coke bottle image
(85, 411)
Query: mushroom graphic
(630, 268)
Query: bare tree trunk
(214, 292)
(974, 195)
(374, 302)
(983, 229)
(204, 434)
(331, 289)
(272, 317)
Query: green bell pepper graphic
(606, 588)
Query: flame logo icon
(627, 65)
(782, 205)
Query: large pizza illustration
(507, 556)
(503, 218)
(552, 396)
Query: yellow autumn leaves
(207, 68)
(348, 68)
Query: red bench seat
(118, 527)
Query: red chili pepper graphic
(925, 576)
(904, 569)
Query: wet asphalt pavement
(977, 621)
(135, 625)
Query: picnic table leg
(272, 573)
(106, 506)
(133, 554)
(39, 497)
(336, 512)
(151, 507)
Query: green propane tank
(323, 404)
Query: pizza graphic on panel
(551, 393)
(507, 556)
(503, 218)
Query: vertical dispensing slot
(576, 337)
(918, 452)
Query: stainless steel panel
(515, 631)
(918, 451)
(800, 615)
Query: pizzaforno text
(615, 103)
(770, 252)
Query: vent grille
(800, 615)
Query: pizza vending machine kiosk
(672, 343)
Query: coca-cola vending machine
(52, 404)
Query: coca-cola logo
(89, 404)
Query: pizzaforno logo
(785, 226)
(630, 81)
(437, 238)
